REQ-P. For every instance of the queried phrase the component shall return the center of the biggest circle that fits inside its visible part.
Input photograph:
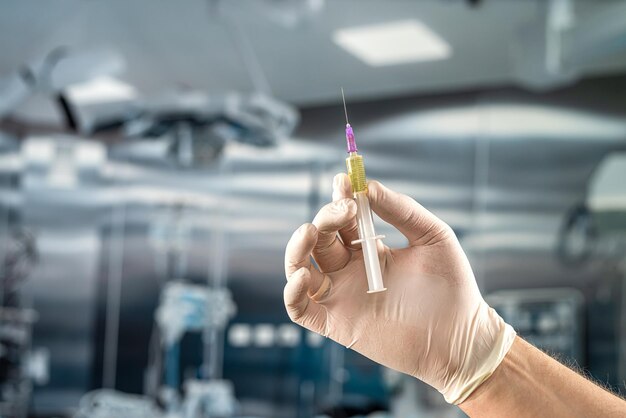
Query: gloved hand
(431, 323)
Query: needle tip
(344, 106)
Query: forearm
(529, 383)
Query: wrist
(493, 387)
(531, 384)
(488, 340)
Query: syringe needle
(344, 106)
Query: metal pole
(114, 294)
(480, 189)
(213, 338)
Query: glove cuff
(487, 345)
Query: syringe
(367, 234)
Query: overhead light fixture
(393, 43)
(101, 90)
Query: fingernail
(337, 181)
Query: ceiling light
(38, 150)
(101, 90)
(393, 43)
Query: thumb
(414, 221)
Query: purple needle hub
(350, 139)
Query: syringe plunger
(368, 244)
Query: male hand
(431, 323)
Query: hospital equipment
(596, 230)
(367, 234)
(548, 318)
(22, 366)
(54, 72)
(106, 403)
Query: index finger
(413, 220)
(329, 252)
(299, 248)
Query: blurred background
(155, 157)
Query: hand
(431, 323)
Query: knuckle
(296, 315)
(307, 229)
(448, 232)
(301, 273)
(295, 312)
(338, 207)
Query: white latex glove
(431, 323)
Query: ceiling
(169, 45)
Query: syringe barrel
(367, 234)
(356, 173)
(368, 239)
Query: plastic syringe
(367, 234)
